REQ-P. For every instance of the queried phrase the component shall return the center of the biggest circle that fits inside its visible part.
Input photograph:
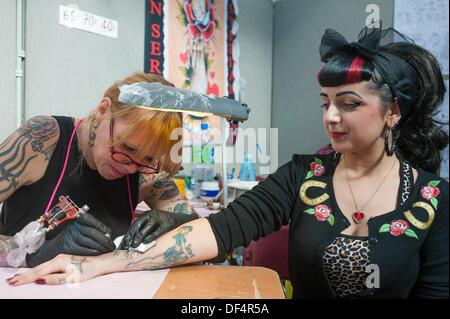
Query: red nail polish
(40, 281)
(12, 277)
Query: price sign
(77, 19)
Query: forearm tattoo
(77, 262)
(184, 208)
(13, 151)
(176, 254)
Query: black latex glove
(86, 236)
(151, 225)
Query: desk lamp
(159, 97)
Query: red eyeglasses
(123, 158)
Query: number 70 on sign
(77, 19)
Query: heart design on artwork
(212, 73)
(358, 217)
(183, 57)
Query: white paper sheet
(124, 285)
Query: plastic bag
(29, 240)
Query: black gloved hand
(151, 225)
(85, 237)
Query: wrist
(115, 261)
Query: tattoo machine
(32, 236)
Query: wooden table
(220, 282)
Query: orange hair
(158, 124)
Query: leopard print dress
(345, 261)
(346, 258)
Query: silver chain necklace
(359, 216)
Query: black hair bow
(401, 77)
(333, 43)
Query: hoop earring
(389, 152)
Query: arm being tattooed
(191, 242)
(159, 191)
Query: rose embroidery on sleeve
(316, 168)
(397, 228)
(431, 192)
(321, 212)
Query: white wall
(7, 67)
(298, 28)
(68, 70)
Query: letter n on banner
(154, 37)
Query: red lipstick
(337, 135)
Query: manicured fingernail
(40, 281)
(12, 277)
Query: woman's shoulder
(29, 148)
(42, 132)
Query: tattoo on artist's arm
(13, 161)
(164, 188)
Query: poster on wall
(192, 43)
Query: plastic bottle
(202, 159)
(207, 146)
(196, 172)
(251, 168)
(207, 153)
(197, 148)
(248, 170)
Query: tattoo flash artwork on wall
(192, 43)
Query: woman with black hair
(369, 220)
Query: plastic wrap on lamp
(163, 97)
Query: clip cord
(129, 198)
(64, 167)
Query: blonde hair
(157, 124)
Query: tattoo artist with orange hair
(119, 156)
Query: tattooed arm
(24, 156)
(161, 192)
(191, 242)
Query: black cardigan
(411, 263)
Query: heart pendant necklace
(359, 216)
